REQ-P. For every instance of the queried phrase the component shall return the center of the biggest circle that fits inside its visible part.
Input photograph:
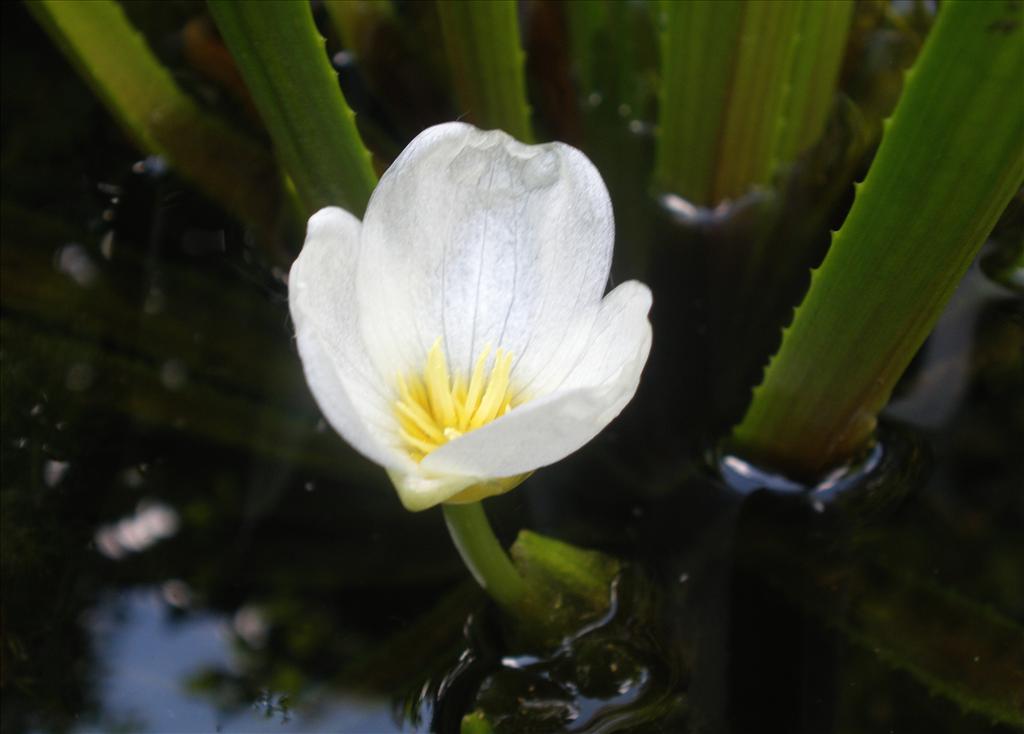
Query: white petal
(419, 491)
(478, 239)
(321, 294)
(620, 335)
(547, 429)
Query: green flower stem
(484, 555)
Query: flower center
(433, 409)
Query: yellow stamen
(496, 393)
(434, 409)
(417, 445)
(418, 390)
(412, 416)
(476, 388)
(439, 386)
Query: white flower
(458, 336)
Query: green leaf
(110, 314)
(475, 722)
(230, 397)
(823, 28)
(281, 56)
(567, 586)
(957, 648)
(950, 160)
(201, 410)
(356, 20)
(114, 59)
(746, 87)
(482, 42)
(587, 26)
(954, 645)
(615, 55)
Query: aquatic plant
(457, 336)
(803, 185)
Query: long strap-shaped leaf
(281, 56)
(119, 66)
(951, 158)
(746, 86)
(481, 38)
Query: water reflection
(73, 260)
(151, 523)
(745, 477)
(150, 654)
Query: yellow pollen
(433, 408)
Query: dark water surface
(188, 548)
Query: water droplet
(176, 593)
(73, 260)
(173, 374)
(132, 477)
(309, 486)
(151, 522)
(79, 377)
(251, 625)
(154, 303)
(343, 59)
(107, 245)
(54, 471)
(154, 166)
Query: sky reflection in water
(149, 657)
